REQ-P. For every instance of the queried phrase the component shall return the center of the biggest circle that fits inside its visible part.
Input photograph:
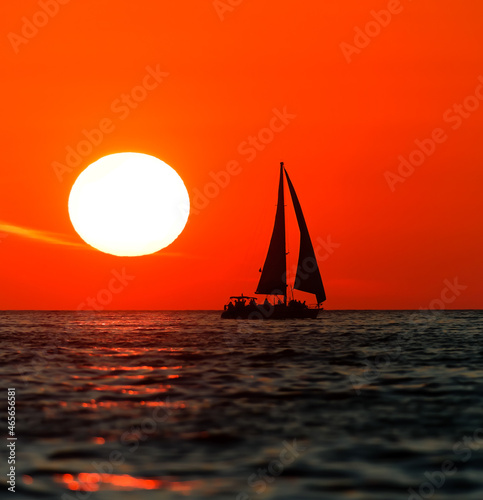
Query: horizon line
(217, 310)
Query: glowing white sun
(129, 204)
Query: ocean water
(167, 405)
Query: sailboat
(273, 278)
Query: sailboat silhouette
(273, 279)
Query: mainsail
(273, 278)
(308, 275)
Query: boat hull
(278, 311)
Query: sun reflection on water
(86, 481)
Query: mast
(308, 277)
(273, 278)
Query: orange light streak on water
(94, 405)
(86, 481)
(129, 368)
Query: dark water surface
(168, 405)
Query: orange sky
(353, 107)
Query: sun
(129, 204)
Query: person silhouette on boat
(240, 302)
